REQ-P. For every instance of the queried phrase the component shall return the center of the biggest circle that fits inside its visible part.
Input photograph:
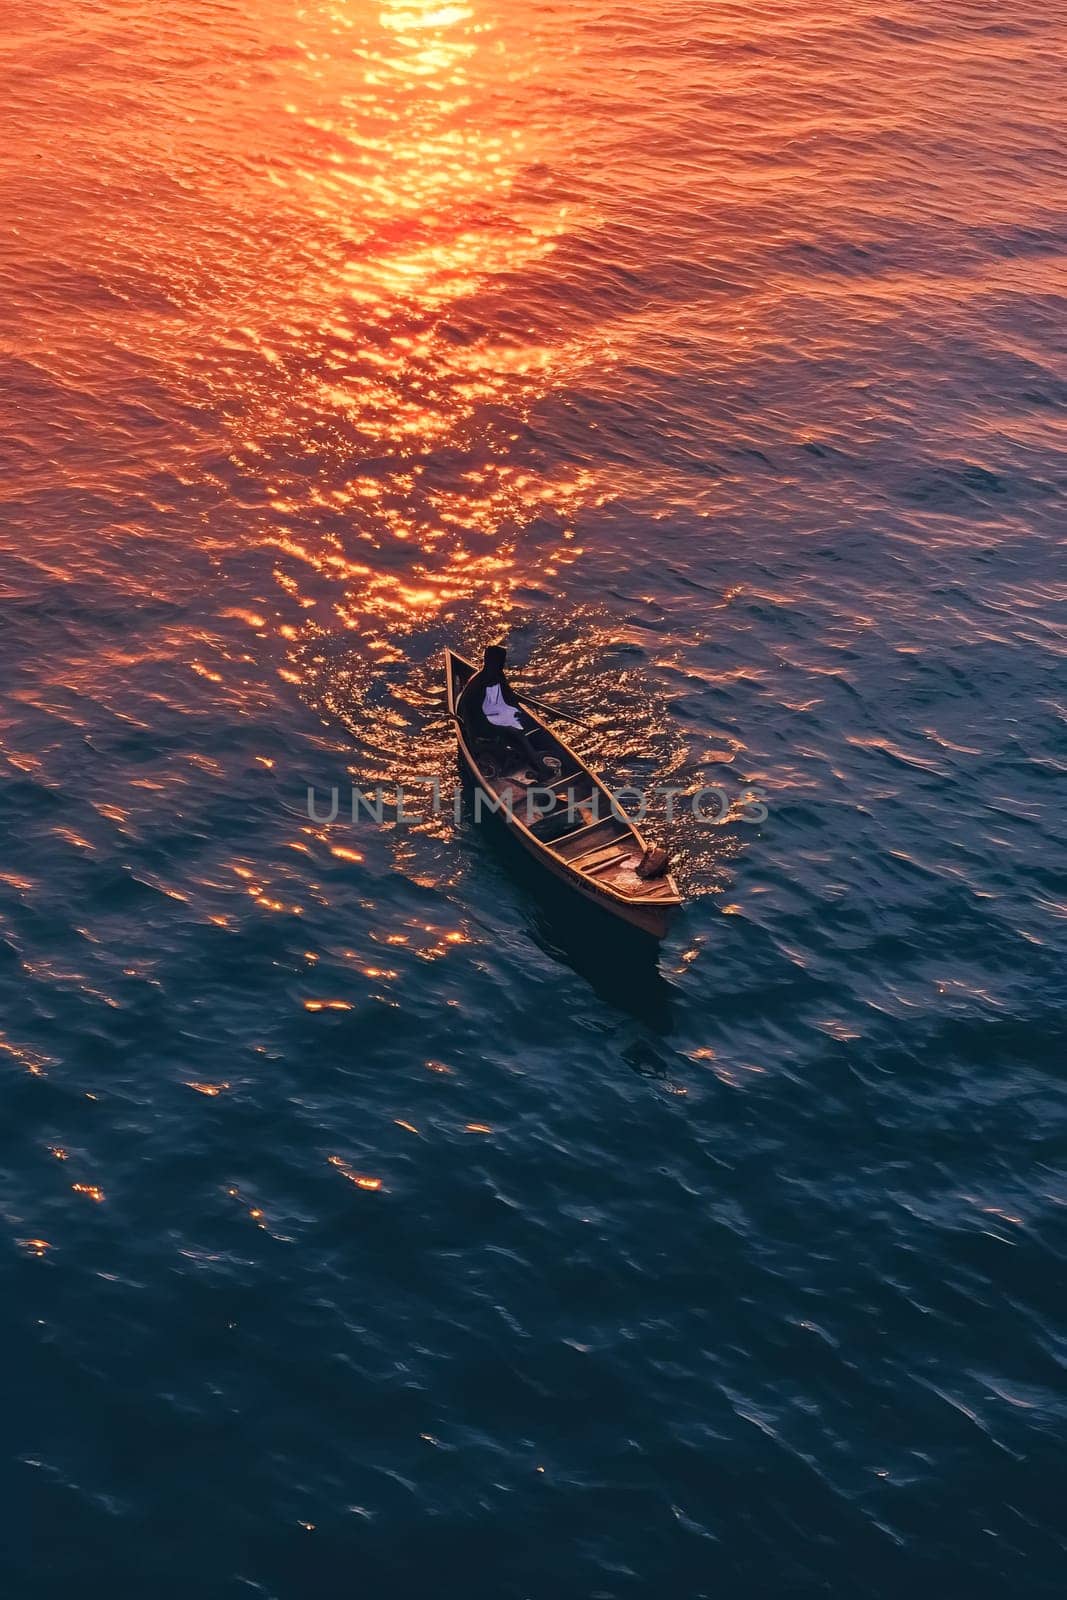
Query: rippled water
(374, 1225)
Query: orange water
(363, 1204)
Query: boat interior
(569, 812)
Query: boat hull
(649, 920)
(648, 916)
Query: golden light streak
(361, 1180)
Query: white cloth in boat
(497, 710)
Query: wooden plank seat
(569, 803)
(584, 842)
(610, 863)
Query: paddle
(553, 711)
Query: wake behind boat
(567, 822)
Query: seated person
(489, 709)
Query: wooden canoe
(582, 840)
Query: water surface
(373, 1222)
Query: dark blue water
(375, 1223)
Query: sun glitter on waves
(408, 153)
(361, 1180)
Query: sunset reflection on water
(346, 314)
(709, 355)
(386, 417)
